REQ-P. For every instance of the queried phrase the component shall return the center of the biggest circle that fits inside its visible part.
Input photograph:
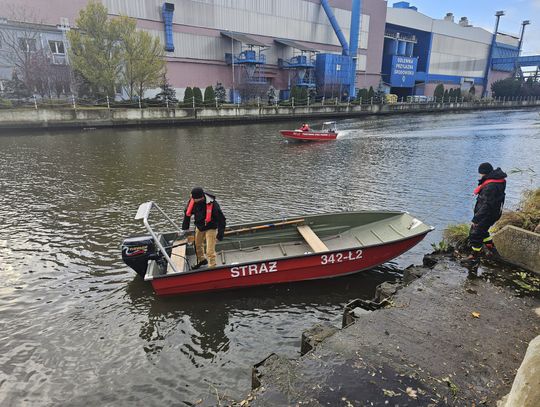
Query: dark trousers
(479, 234)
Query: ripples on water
(77, 327)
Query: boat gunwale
(316, 215)
(190, 272)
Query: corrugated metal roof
(294, 44)
(244, 38)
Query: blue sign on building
(403, 71)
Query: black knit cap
(197, 193)
(485, 168)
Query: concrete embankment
(526, 387)
(445, 339)
(519, 246)
(48, 118)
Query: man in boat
(488, 209)
(305, 127)
(209, 225)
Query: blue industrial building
(420, 52)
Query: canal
(77, 327)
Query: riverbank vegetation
(456, 236)
(526, 216)
(108, 53)
(515, 87)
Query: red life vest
(488, 181)
(209, 208)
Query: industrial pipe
(355, 28)
(336, 27)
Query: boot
(203, 262)
(471, 261)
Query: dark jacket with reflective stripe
(490, 200)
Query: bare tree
(60, 79)
(252, 91)
(20, 39)
(37, 74)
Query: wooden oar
(191, 237)
(267, 226)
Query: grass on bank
(527, 216)
(457, 236)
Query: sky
(481, 13)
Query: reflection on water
(77, 327)
(218, 336)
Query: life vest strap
(209, 209)
(488, 181)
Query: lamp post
(520, 44)
(523, 24)
(498, 16)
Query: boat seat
(178, 257)
(312, 239)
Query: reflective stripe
(209, 208)
(190, 206)
(487, 239)
(476, 249)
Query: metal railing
(259, 102)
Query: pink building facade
(200, 45)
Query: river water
(77, 327)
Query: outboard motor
(137, 251)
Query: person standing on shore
(488, 209)
(209, 225)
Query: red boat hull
(309, 267)
(308, 135)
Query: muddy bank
(446, 338)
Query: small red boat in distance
(328, 132)
(272, 252)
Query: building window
(27, 44)
(57, 47)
